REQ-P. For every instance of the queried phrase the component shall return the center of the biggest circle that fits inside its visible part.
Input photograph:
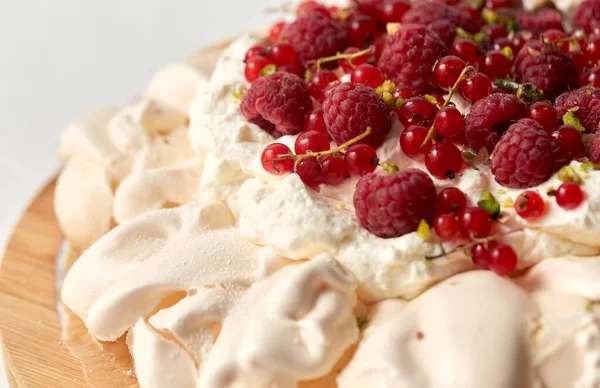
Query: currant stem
(318, 155)
(461, 78)
(339, 56)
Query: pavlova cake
(375, 194)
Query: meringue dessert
(374, 194)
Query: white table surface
(60, 59)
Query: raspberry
(586, 105)
(394, 205)
(314, 36)
(490, 117)
(281, 99)
(593, 151)
(548, 68)
(409, 56)
(441, 19)
(350, 108)
(544, 19)
(524, 156)
(587, 15)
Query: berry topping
(254, 67)
(475, 222)
(349, 109)
(393, 205)
(367, 75)
(281, 98)
(350, 64)
(570, 144)
(416, 110)
(584, 103)
(524, 157)
(361, 159)
(496, 65)
(283, 54)
(362, 29)
(272, 152)
(481, 254)
(451, 201)
(569, 195)
(592, 77)
(319, 82)
(441, 19)
(314, 36)
(409, 55)
(411, 141)
(467, 50)
(593, 149)
(529, 205)
(587, 15)
(503, 259)
(444, 160)
(315, 121)
(447, 70)
(334, 170)
(394, 10)
(476, 87)
(275, 31)
(311, 141)
(545, 114)
(309, 170)
(448, 122)
(445, 226)
(544, 19)
(490, 117)
(547, 67)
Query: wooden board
(29, 326)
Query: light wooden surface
(34, 352)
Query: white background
(62, 58)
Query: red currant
(361, 159)
(319, 81)
(444, 160)
(311, 141)
(451, 201)
(497, 4)
(591, 51)
(404, 92)
(481, 254)
(501, 43)
(254, 66)
(445, 226)
(367, 75)
(309, 170)
(593, 77)
(468, 10)
(476, 87)
(529, 205)
(447, 70)
(503, 259)
(411, 141)
(315, 120)
(371, 9)
(283, 54)
(377, 45)
(467, 50)
(557, 37)
(345, 63)
(520, 38)
(570, 143)
(448, 122)
(495, 31)
(569, 195)
(416, 110)
(293, 68)
(362, 29)
(394, 10)
(496, 65)
(545, 114)
(475, 222)
(255, 51)
(275, 31)
(272, 152)
(334, 170)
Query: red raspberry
(489, 118)
(314, 36)
(593, 149)
(282, 99)
(441, 19)
(587, 15)
(586, 101)
(393, 205)
(350, 108)
(524, 156)
(409, 56)
(548, 68)
(544, 19)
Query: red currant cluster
(316, 163)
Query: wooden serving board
(34, 353)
